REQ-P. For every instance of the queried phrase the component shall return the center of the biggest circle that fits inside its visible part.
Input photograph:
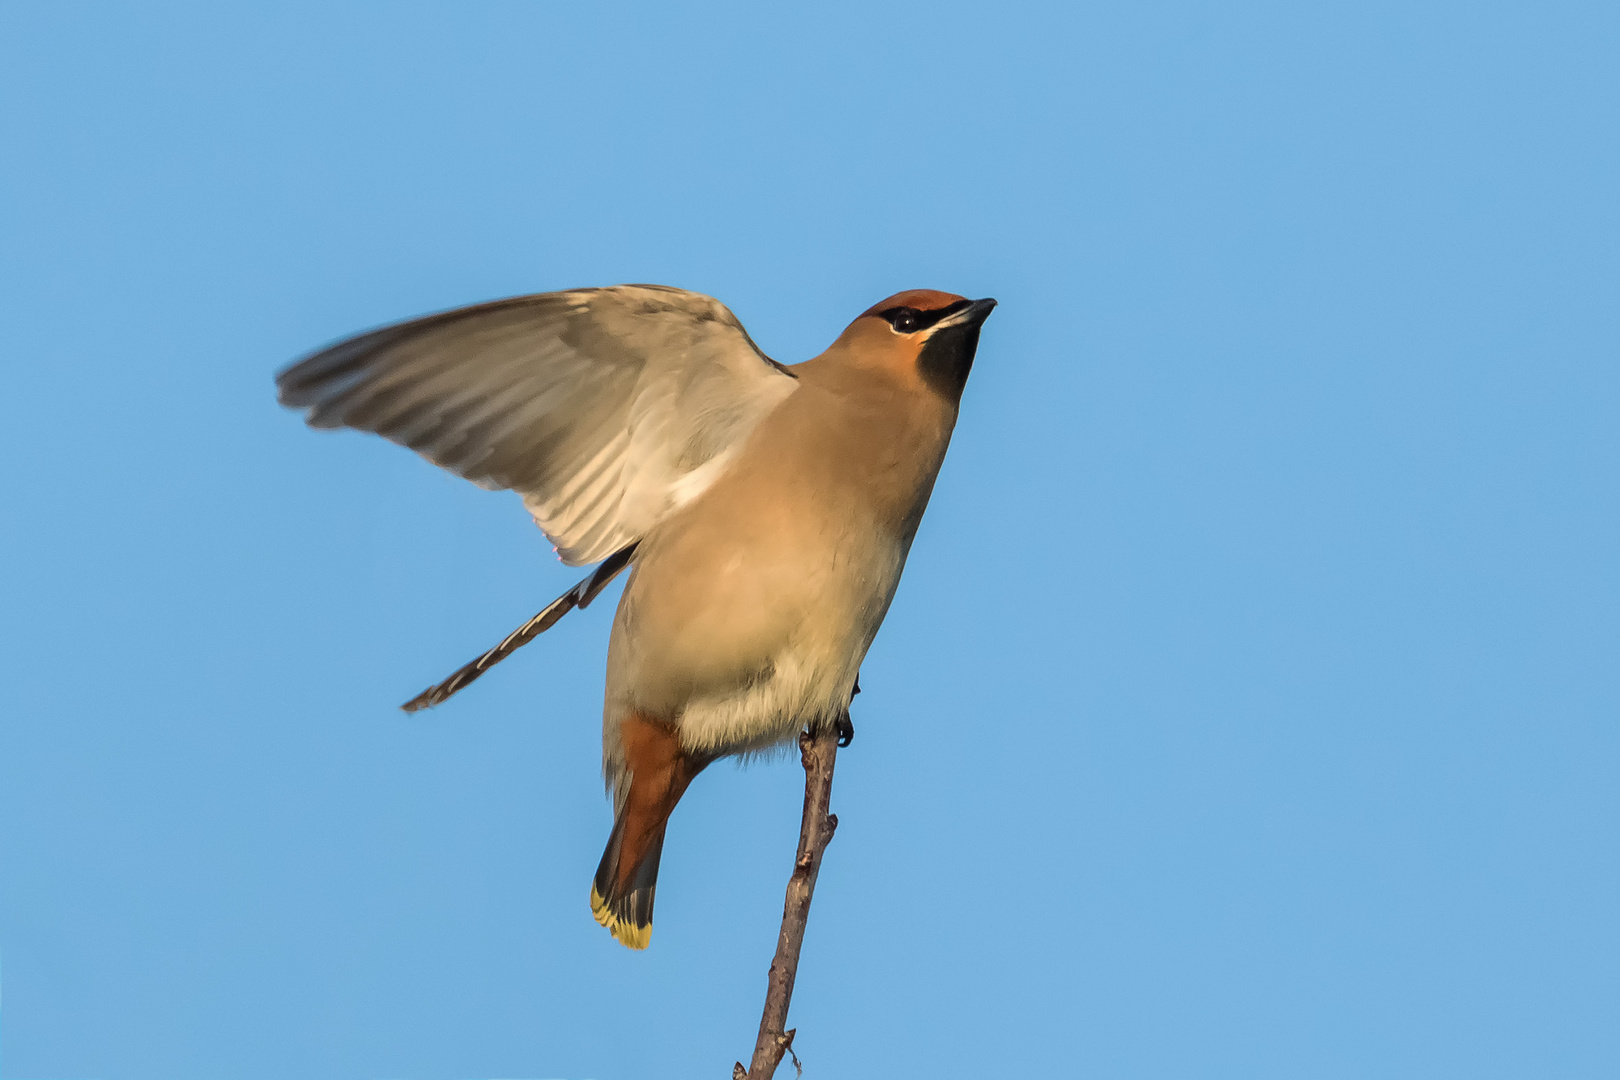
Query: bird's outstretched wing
(579, 596)
(604, 408)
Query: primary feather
(605, 409)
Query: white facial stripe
(957, 319)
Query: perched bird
(765, 510)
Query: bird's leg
(845, 728)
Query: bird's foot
(845, 727)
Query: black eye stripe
(919, 320)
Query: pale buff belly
(739, 641)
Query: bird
(764, 510)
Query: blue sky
(1249, 706)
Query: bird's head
(920, 334)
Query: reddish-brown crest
(921, 299)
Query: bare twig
(818, 749)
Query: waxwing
(764, 511)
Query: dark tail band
(627, 912)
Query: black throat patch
(946, 359)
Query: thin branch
(818, 750)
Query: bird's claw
(845, 727)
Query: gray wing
(604, 408)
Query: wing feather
(604, 409)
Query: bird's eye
(905, 320)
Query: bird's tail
(658, 771)
(623, 902)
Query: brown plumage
(765, 511)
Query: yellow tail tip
(625, 932)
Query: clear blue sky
(1249, 708)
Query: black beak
(973, 313)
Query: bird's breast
(761, 598)
(709, 610)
